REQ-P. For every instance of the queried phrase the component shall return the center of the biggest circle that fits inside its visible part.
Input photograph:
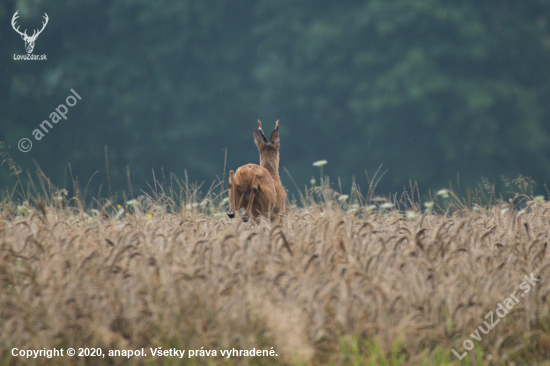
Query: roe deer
(258, 188)
(269, 159)
(253, 188)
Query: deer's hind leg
(232, 196)
(253, 192)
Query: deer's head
(29, 40)
(269, 150)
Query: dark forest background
(438, 92)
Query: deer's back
(245, 176)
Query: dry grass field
(328, 285)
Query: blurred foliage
(431, 89)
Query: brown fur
(252, 188)
(269, 159)
(258, 188)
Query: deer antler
(261, 131)
(46, 18)
(15, 16)
(24, 34)
(276, 125)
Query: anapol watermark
(25, 144)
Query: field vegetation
(340, 280)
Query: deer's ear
(258, 140)
(275, 139)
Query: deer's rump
(263, 197)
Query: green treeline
(431, 89)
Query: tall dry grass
(325, 286)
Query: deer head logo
(29, 41)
